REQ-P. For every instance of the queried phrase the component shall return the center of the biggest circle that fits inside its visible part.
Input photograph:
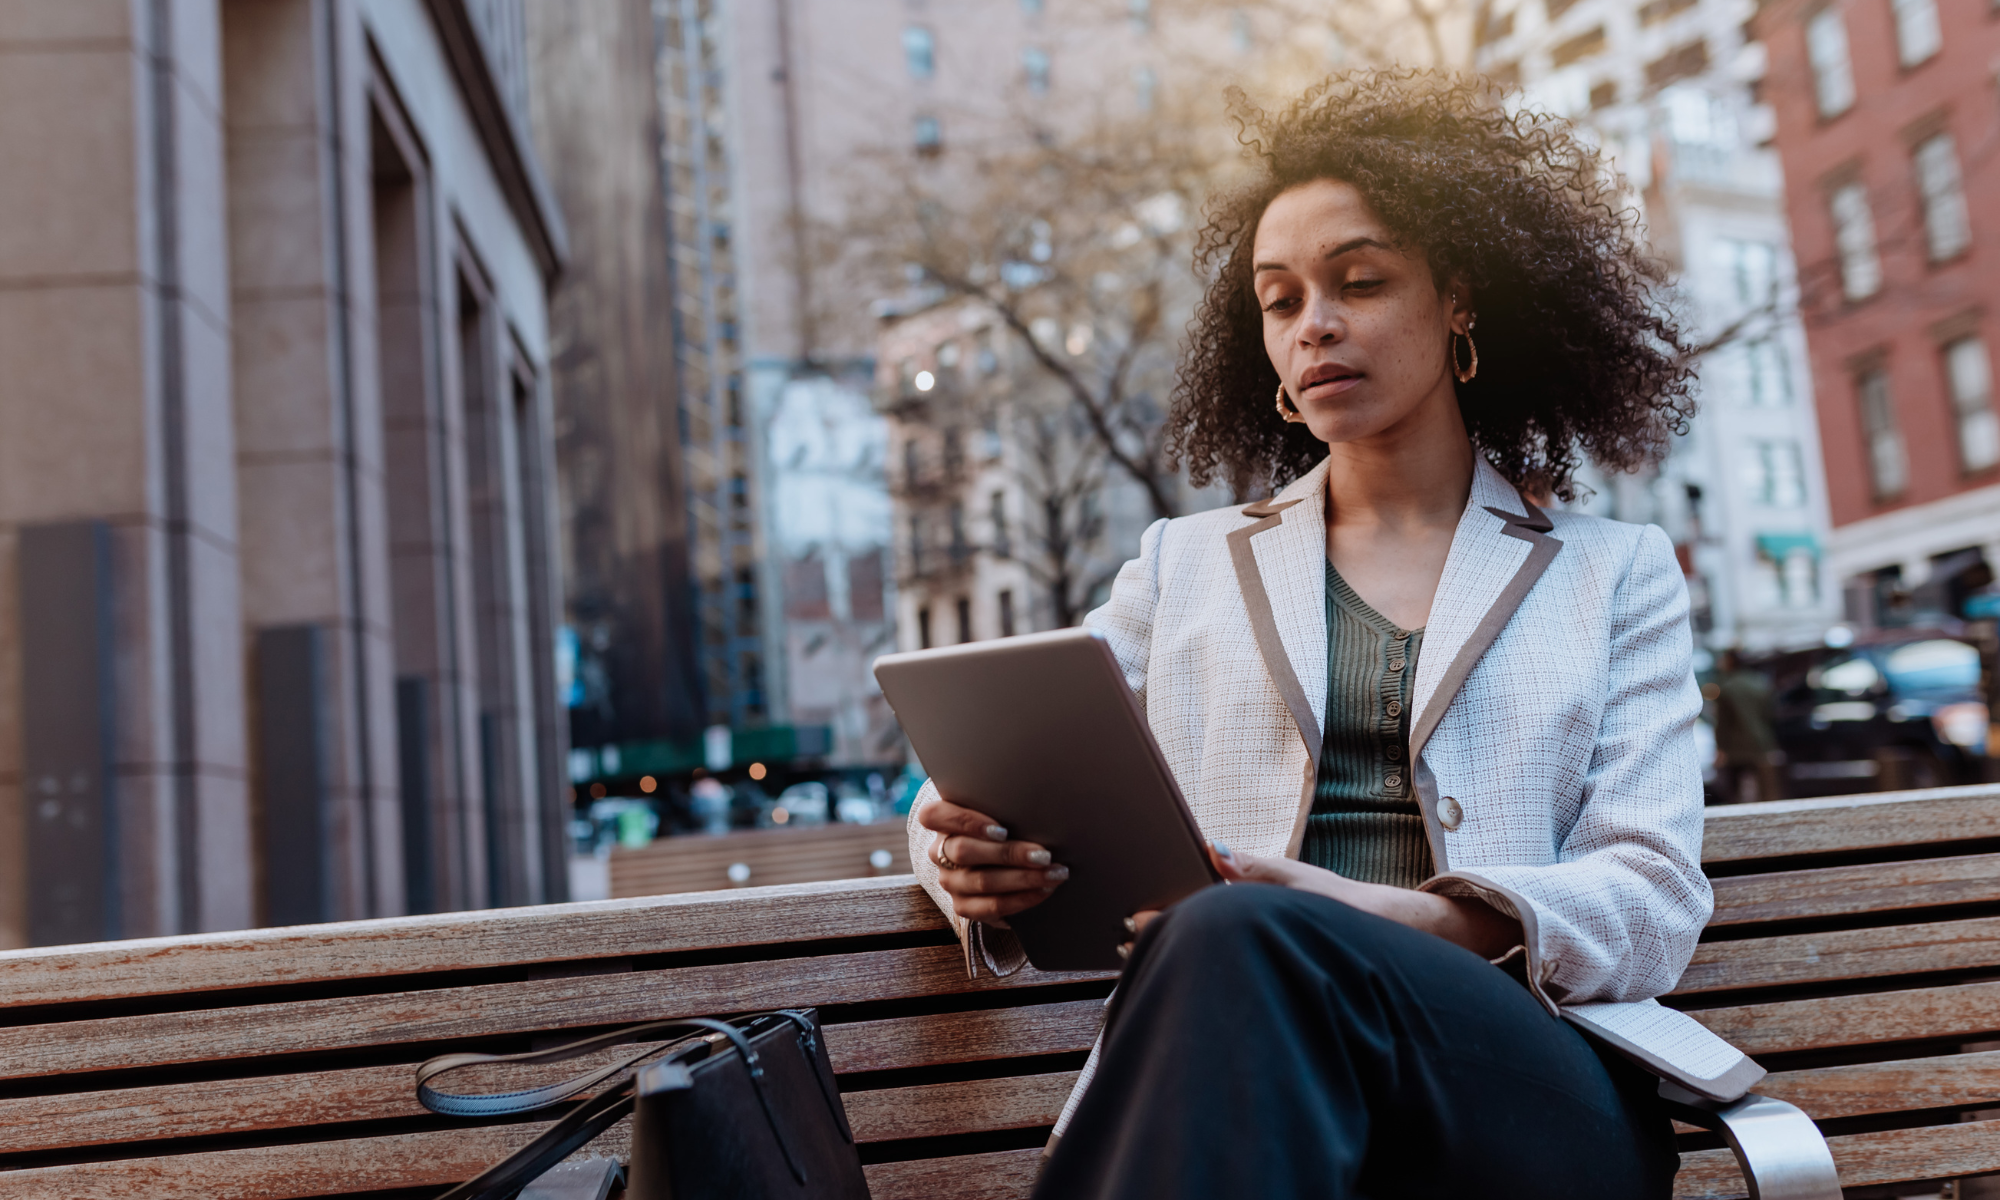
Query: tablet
(1041, 733)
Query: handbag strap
(596, 1115)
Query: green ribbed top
(1364, 822)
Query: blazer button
(1449, 813)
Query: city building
(1667, 88)
(277, 589)
(1886, 119)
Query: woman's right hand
(988, 877)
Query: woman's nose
(1321, 322)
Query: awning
(1780, 546)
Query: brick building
(1887, 121)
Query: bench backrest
(1851, 951)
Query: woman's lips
(1331, 387)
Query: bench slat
(465, 941)
(1891, 1156)
(429, 1159)
(1877, 821)
(234, 1106)
(1842, 954)
(492, 1010)
(970, 1106)
(1964, 1011)
(1851, 891)
(1005, 1175)
(964, 1036)
(1904, 1085)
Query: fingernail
(1223, 850)
(996, 833)
(1038, 858)
(1124, 951)
(1056, 874)
(1131, 926)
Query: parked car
(1899, 709)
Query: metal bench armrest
(1781, 1151)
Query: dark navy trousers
(1271, 1043)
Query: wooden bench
(1855, 951)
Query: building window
(1582, 46)
(919, 52)
(1146, 85)
(1006, 612)
(1003, 541)
(1678, 63)
(1886, 463)
(923, 629)
(1947, 227)
(916, 545)
(1752, 268)
(959, 546)
(1833, 74)
(1774, 474)
(1854, 236)
(913, 463)
(1917, 34)
(1770, 373)
(927, 135)
(964, 620)
(1970, 375)
(1035, 68)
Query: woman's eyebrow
(1346, 247)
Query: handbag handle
(596, 1115)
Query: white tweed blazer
(1552, 735)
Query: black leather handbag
(741, 1108)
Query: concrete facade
(1667, 90)
(1886, 115)
(273, 314)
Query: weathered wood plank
(489, 1010)
(1966, 1011)
(1005, 1175)
(1842, 954)
(465, 941)
(1850, 891)
(788, 854)
(1881, 820)
(234, 1106)
(429, 1159)
(964, 1036)
(970, 1106)
(1892, 1156)
(1904, 1085)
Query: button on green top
(1364, 822)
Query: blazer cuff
(1539, 969)
(995, 949)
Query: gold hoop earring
(1465, 373)
(1285, 410)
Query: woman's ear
(1458, 297)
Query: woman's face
(1356, 328)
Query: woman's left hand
(1470, 923)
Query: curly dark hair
(1579, 352)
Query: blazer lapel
(1500, 549)
(1280, 563)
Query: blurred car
(1902, 709)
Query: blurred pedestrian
(1746, 738)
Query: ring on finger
(944, 861)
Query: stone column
(115, 408)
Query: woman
(1453, 729)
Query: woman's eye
(1281, 304)
(1365, 284)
